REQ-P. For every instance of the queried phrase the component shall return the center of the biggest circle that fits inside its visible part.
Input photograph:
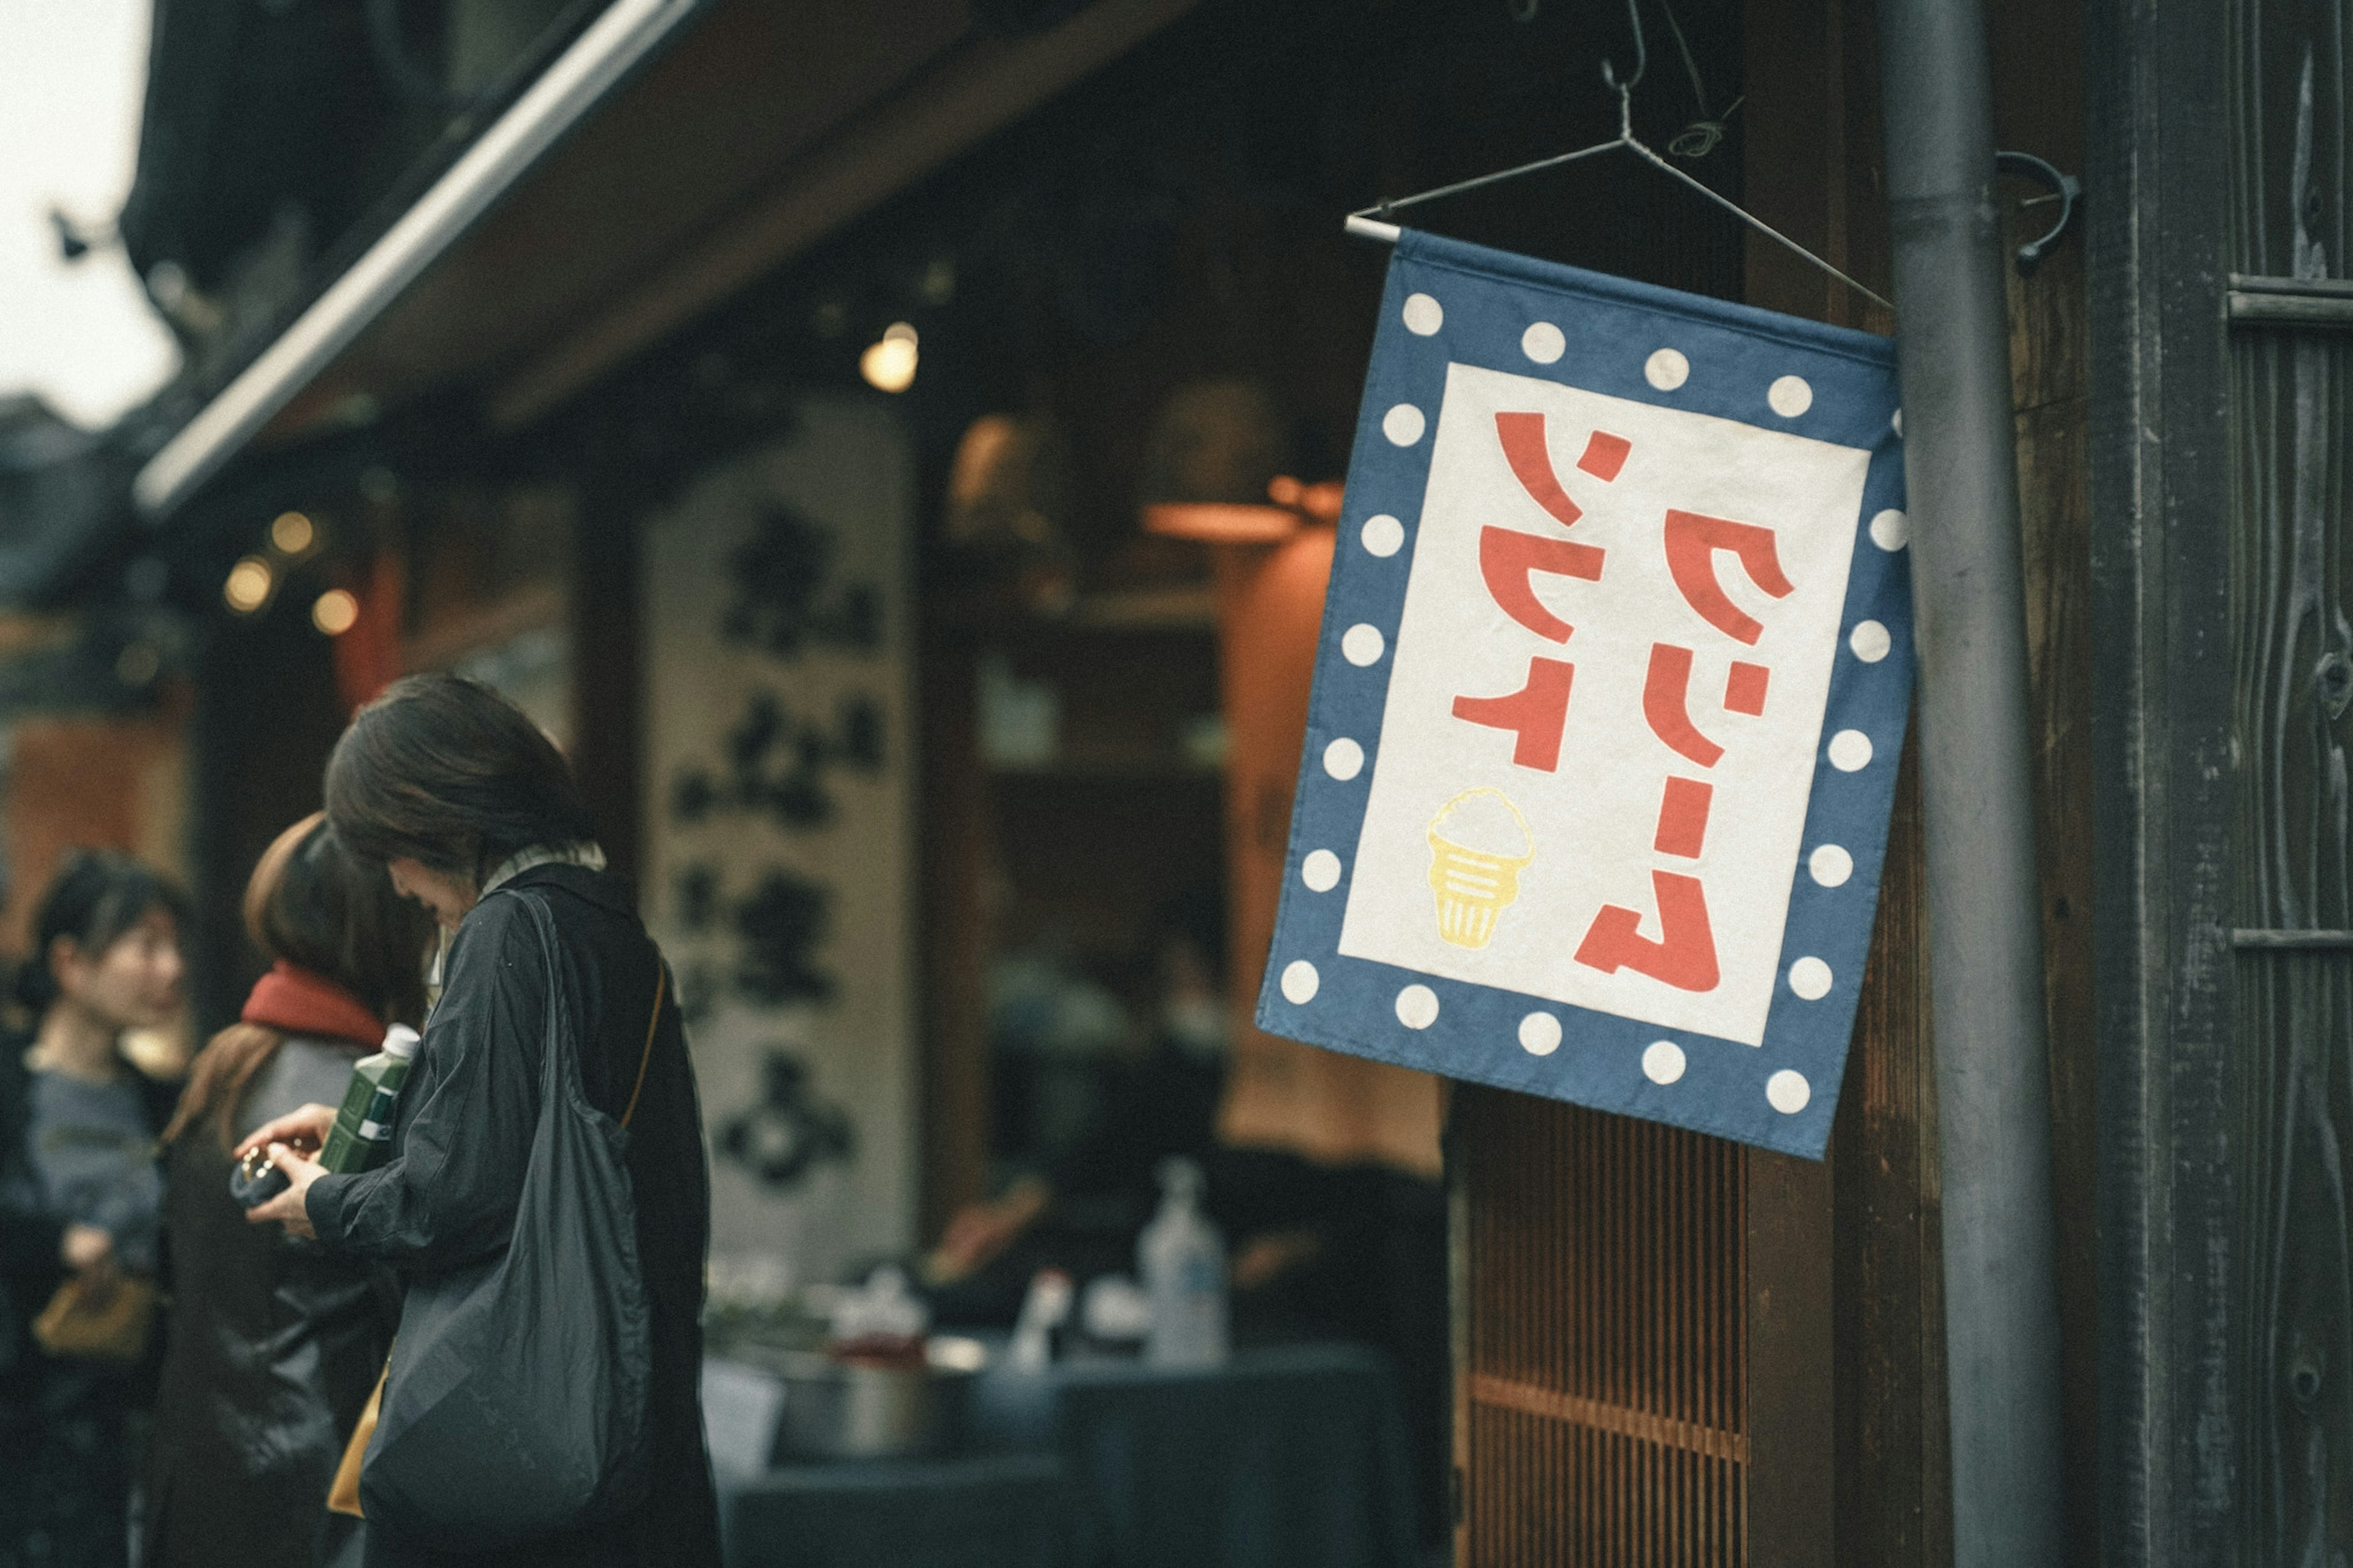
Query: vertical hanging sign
(1615, 668)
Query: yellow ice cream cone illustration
(1479, 845)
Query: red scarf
(302, 1001)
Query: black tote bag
(516, 1403)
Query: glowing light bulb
(336, 612)
(248, 585)
(889, 363)
(292, 533)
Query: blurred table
(987, 1510)
(1005, 1510)
(1282, 1459)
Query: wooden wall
(1839, 1449)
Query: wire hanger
(1375, 221)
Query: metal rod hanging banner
(1985, 927)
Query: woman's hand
(290, 1207)
(305, 1129)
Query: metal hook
(1378, 222)
(2065, 188)
(1641, 60)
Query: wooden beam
(979, 88)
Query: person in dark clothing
(474, 812)
(79, 1184)
(274, 1343)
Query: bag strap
(653, 1025)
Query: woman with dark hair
(476, 816)
(79, 1138)
(274, 1343)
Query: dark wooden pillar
(953, 839)
(609, 672)
(2221, 373)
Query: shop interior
(1124, 339)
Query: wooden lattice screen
(1604, 1408)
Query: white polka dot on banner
(1663, 1061)
(1383, 535)
(1786, 1091)
(1789, 396)
(1869, 640)
(1362, 645)
(1403, 425)
(1666, 370)
(1343, 759)
(1850, 751)
(1810, 978)
(1320, 870)
(1540, 1034)
(1898, 423)
(1424, 315)
(1829, 865)
(1543, 342)
(1300, 982)
(1891, 530)
(1417, 1006)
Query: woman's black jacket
(462, 1139)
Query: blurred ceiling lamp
(889, 363)
(292, 533)
(248, 585)
(337, 611)
(1011, 482)
(1320, 500)
(1208, 462)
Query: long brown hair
(312, 904)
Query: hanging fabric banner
(1615, 668)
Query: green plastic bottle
(362, 1129)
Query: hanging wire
(1642, 54)
(1385, 210)
(1704, 135)
(1634, 146)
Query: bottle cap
(1181, 1177)
(400, 1040)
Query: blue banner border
(1736, 353)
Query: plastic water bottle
(362, 1129)
(1044, 1310)
(1183, 1260)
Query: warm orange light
(336, 612)
(1320, 500)
(292, 533)
(248, 585)
(889, 364)
(1221, 522)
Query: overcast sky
(71, 72)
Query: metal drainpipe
(1985, 928)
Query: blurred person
(105, 961)
(1148, 1106)
(474, 812)
(275, 1344)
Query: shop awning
(677, 151)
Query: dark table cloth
(985, 1510)
(1284, 1459)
